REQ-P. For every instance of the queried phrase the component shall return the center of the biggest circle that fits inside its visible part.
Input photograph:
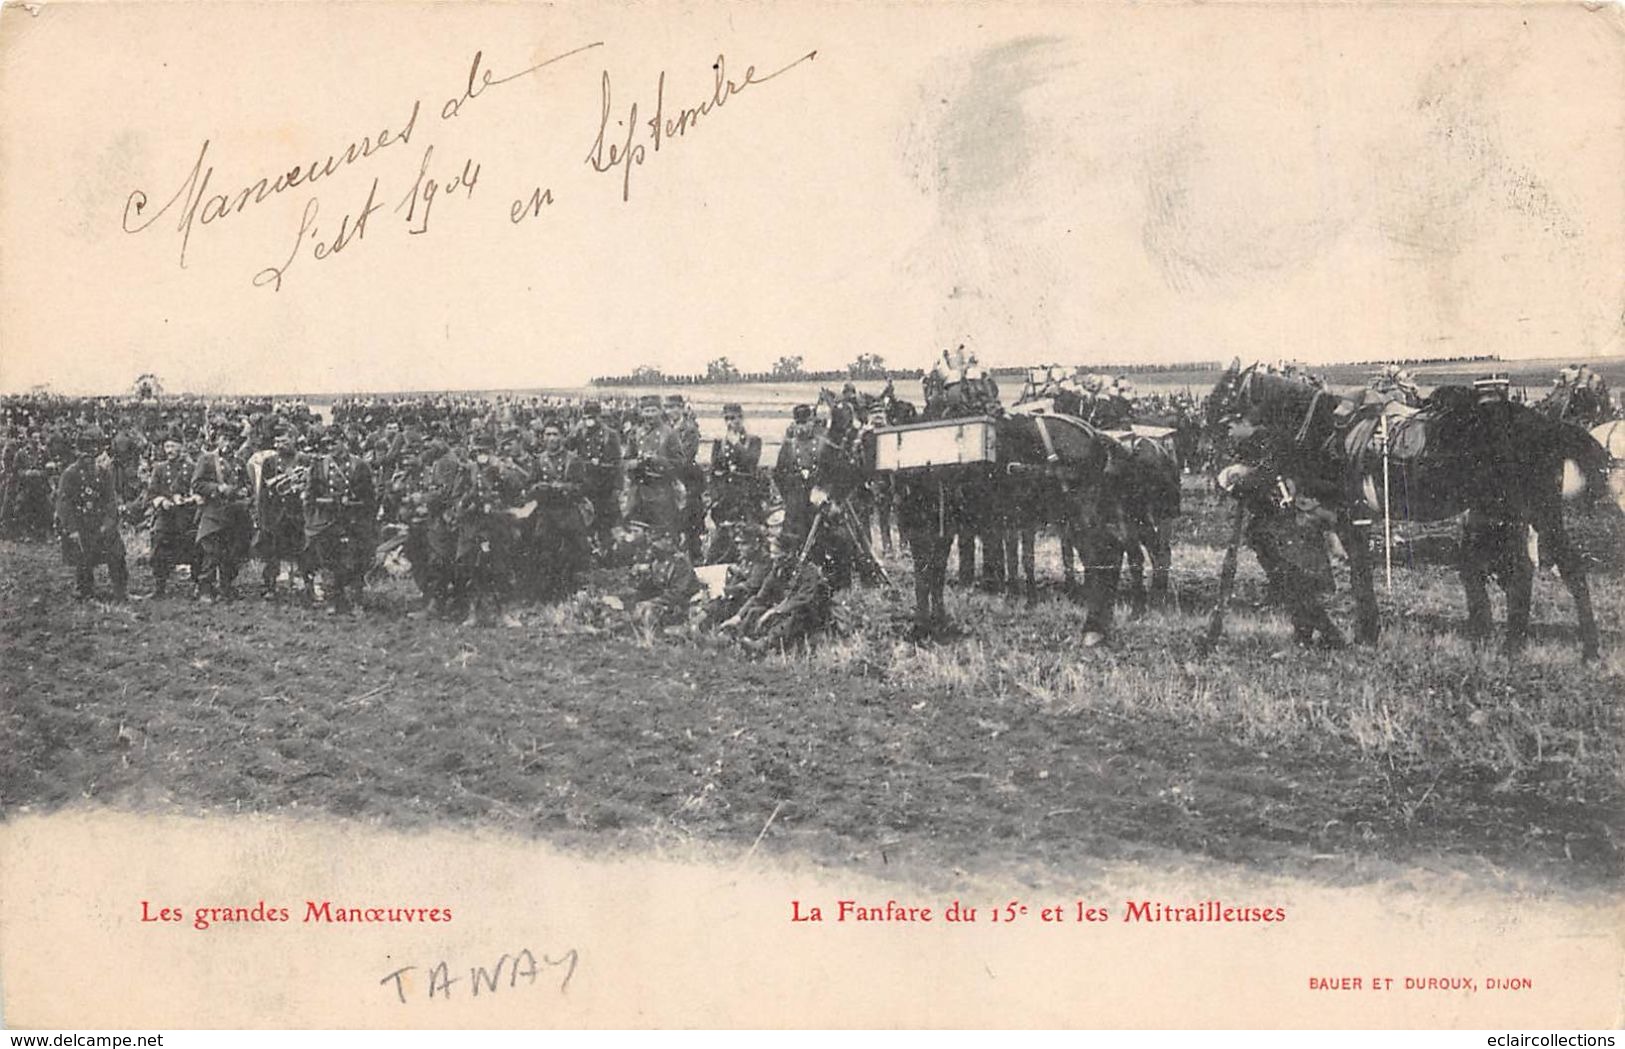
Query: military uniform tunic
(224, 529)
(653, 457)
(174, 528)
(600, 453)
(87, 513)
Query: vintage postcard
(811, 514)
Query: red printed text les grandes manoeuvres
(313, 912)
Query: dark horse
(1144, 492)
(1499, 463)
(1059, 456)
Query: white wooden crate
(945, 442)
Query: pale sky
(1078, 184)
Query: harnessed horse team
(1468, 452)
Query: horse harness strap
(1309, 415)
(1043, 434)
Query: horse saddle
(1407, 428)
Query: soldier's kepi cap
(674, 400)
(731, 411)
(803, 413)
(592, 409)
(91, 437)
(649, 400)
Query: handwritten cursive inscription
(199, 208)
(480, 79)
(619, 146)
(423, 191)
(606, 156)
(321, 249)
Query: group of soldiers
(517, 503)
(308, 501)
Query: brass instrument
(289, 483)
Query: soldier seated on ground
(750, 569)
(660, 576)
(793, 602)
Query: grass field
(1007, 746)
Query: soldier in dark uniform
(793, 602)
(663, 581)
(87, 515)
(485, 534)
(409, 490)
(8, 476)
(444, 481)
(691, 517)
(600, 453)
(735, 487)
(341, 506)
(384, 458)
(124, 459)
(359, 513)
(558, 483)
(1287, 536)
(653, 456)
(797, 470)
(748, 569)
(174, 517)
(279, 516)
(881, 490)
(224, 528)
(28, 501)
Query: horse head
(1264, 397)
(1223, 402)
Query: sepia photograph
(812, 515)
